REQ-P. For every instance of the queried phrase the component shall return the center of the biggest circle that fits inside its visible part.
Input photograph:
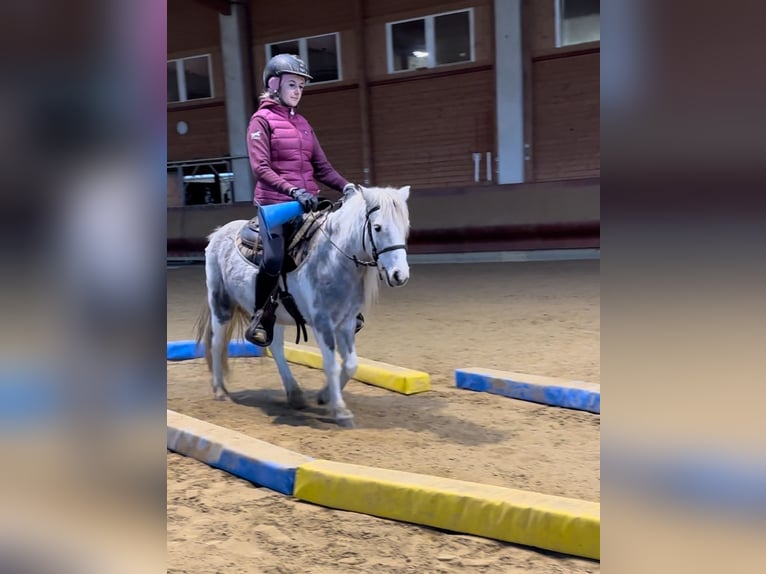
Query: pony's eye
(377, 228)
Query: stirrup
(261, 329)
(359, 323)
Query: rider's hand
(308, 200)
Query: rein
(375, 252)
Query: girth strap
(291, 307)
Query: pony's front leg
(332, 390)
(349, 361)
(347, 351)
(295, 397)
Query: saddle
(298, 246)
(248, 243)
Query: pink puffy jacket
(285, 153)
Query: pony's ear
(405, 192)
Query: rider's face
(292, 89)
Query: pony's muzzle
(398, 278)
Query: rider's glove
(308, 200)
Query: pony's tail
(204, 329)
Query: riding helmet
(285, 64)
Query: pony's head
(387, 226)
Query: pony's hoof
(296, 400)
(346, 423)
(344, 418)
(222, 396)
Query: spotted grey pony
(358, 243)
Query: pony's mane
(392, 208)
(348, 227)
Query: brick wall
(539, 19)
(336, 120)
(290, 19)
(404, 9)
(565, 122)
(424, 125)
(208, 134)
(564, 94)
(425, 130)
(191, 27)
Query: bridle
(376, 253)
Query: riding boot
(359, 323)
(261, 329)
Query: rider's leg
(261, 329)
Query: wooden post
(528, 79)
(368, 171)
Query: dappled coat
(285, 153)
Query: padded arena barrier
(185, 350)
(554, 523)
(546, 390)
(548, 522)
(391, 377)
(236, 453)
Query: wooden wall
(425, 130)
(565, 123)
(335, 117)
(564, 91)
(425, 124)
(193, 29)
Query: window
(189, 79)
(577, 21)
(321, 54)
(205, 183)
(432, 41)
